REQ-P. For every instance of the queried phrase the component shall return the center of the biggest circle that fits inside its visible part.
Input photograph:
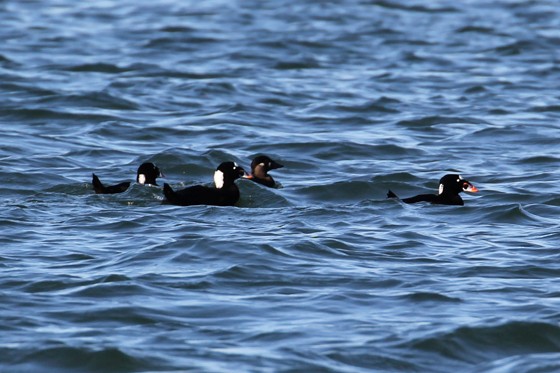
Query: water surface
(323, 274)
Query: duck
(450, 186)
(146, 174)
(224, 192)
(260, 166)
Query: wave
(433, 120)
(414, 7)
(544, 363)
(480, 345)
(60, 357)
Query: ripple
(545, 362)
(431, 121)
(547, 108)
(98, 67)
(298, 64)
(476, 29)
(513, 214)
(70, 359)
(515, 48)
(431, 297)
(414, 7)
(487, 343)
(373, 361)
(323, 273)
(381, 105)
(48, 114)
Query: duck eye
(465, 185)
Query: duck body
(260, 166)
(448, 194)
(202, 195)
(99, 188)
(435, 199)
(146, 174)
(225, 192)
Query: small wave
(27, 89)
(313, 248)
(95, 99)
(431, 297)
(488, 343)
(273, 337)
(306, 63)
(243, 273)
(546, 108)
(337, 192)
(499, 112)
(542, 363)
(475, 29)
(554, 201)
(45, 286)
(177, 29)
(4, 59)
(539, 159)
(373, 361)
(254, 195)
(98, 67)
(513, 214)
(63, 358)
(381, 105)
(515, 48)
(179, 44)
(433, 120)
(33, 114)
(109, 289)
(475, 89)
(414, 8)
(519, 271)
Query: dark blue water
(323, 274)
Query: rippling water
(323, 274)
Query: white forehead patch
(460, 178)
(235, 164)
(440, 189)
(219, 179)
(142, 179)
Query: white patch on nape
(440, 191)
(219, 179)
(142, 179)
(261, 164)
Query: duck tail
(169, 193)
(390, 194)
(98, 186)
